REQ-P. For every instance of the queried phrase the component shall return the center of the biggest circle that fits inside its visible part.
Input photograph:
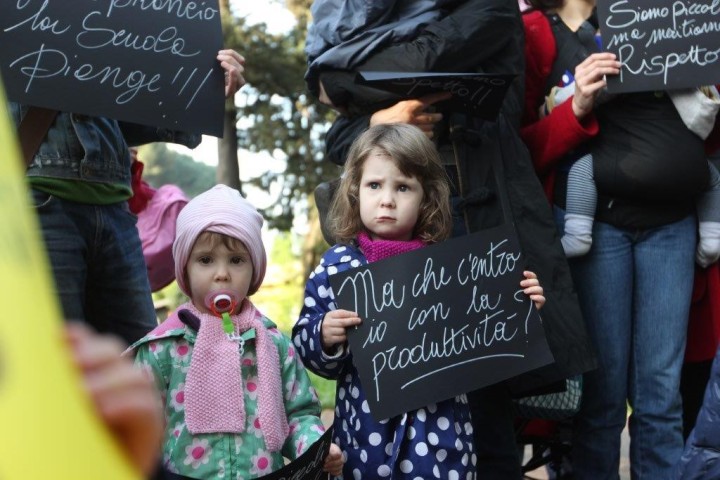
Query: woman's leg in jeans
(98, 265)
(604, 280)
(66, 246)
(664, 267)
(118, 291)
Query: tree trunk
(228, 169)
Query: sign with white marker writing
(478, 94)
(441, 321)
(662, 44)
(144, 61)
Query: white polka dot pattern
(431, 442)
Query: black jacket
(496, 176)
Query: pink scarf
(214, 398)
(375, 250)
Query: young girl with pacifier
(393, 198)
(237, 397)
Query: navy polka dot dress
(431, 442)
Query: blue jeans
(634, 289)
(98, 265)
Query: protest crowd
(497, 151)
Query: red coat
(551, 137)
(704, 325)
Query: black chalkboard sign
(477, 94)
(149, 62)
(309, 466)
(662, 44)
(441, 321)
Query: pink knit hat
(221, 210)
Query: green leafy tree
(279, 117)
(163, 165)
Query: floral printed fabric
(223, 455)
(431, 442)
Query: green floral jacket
(227, 455)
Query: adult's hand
(234, 65)
(590, 80)
(413, 112)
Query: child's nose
(222, 272)
(387, 199)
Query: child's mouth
(221, 301)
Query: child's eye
(205, 260)
(374, 185)
(237, 260)
(403, 188)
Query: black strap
(32, 130)
(572, 48)
(189, 319)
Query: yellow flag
(48, 428)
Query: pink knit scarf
(375, 250)
(214, 398)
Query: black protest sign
(662, 44)
(142, 61)
(309, 466)
(441, 321)
(478, 94)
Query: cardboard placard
(662, 44)
(441, 321)
(478, 94)
(148, 62)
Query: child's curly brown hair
(415, 156)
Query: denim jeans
(98, 265)
(634, 288)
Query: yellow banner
(48, 428)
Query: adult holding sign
(79, 169)
(636, 280)
(492, 181)
(393, 198)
